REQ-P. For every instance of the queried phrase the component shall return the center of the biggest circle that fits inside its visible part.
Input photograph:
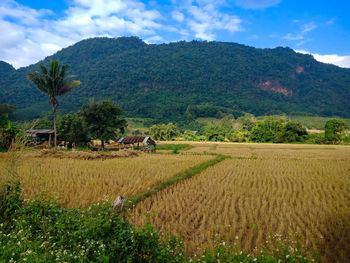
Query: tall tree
(53, 82)
(103, 119)
(334, 129)
(72, 129)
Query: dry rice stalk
(85, 155)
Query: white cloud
(257, 4)
(23, 15)
(300, 36)
(178, 16)
(292, 37)
(308, 27)
(205, 20)
(341, 61)
(154, 39)
(29, 35)
(330, 22)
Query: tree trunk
(102, 144)
(54, 106)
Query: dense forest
(175, 81)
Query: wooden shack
(39, 136)
(143, 143)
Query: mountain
(198, 79)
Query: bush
(335, 130)
(41, 231)
(164, 132)
(239, 136)
(316, 138)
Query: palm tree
(54, 83)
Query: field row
(79, 183)
(246, 201)
(273, 151)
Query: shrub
(42, 231)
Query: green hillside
(169, 82)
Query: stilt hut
(137, 142)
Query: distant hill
(192, 79)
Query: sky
(32, 30)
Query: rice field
(264, 193)
(284, 190)
(273, 151)
(79, 182)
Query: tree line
(247, 129)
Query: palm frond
(43, 69)
(53, 81)
(38, 81)
(67, 87)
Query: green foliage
(215, 133)
(291, 132)
(41, 231)
(316, 138)
(239, 136)
(282, 253)
(8, 132)
(190, 135)
(247, 122)
(209, 110)
(334, 129)
(164, 132)
(267, 130)
(103, 119)
(276, 130)
(10, 200)
(72, 129)
(53, 81)
(207, 78)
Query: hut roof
(35, 132)
(136, 139)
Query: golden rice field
(286, 189)
(273, 151)
(79, 183)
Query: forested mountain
(192, 79)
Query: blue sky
(32, 30)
